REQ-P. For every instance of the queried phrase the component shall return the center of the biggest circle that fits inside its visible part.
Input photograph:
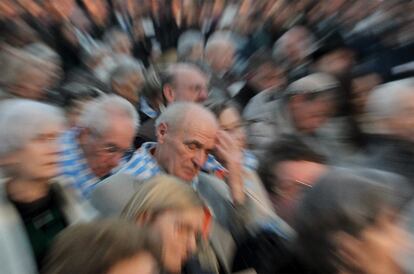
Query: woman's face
(38, 159)
(230, 122)
(179, 232)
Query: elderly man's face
(103, 153)
(183, 151)
(190, 86)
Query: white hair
(218, 40)
(385, 101)
(15, 63)
(176, 114)
(22, 120)
(98, 114)
(43, 52)
(125, 68)
(187, 41)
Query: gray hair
(14, 63)
(126, 68)
(385, 101)
(176, 114)
(280, 46)
(187, 41)
(97, 52)
(22, 120)
(342, 201)
(43, 52)
(218, 39)
(97, 115)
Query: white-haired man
(390, 108)
(186, 134)
(103, 135)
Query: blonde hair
(159, 194)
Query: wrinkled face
(103, 153)
(190, 85)
(130, 87)
(309, 115)
(142, 263)
(378, 246)
(38, 159)
(179, 233)
(294, 178)
(182, 152)
(230, 121)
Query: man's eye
(192, 146)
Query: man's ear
(169, 93)
(161, 132)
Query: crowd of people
(206, 137)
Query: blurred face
(179, 233)
(38, 160)
(361, 87)
(182, 152)
(294, 177)
(230, 121)
(122, 45)
(402, 124)
(337, 63)
(190, 85)
(104, 153)
(130, 88)
(267, 77)
(142, 263)
(309, 115)
(376, 249)
(197, 52)
(98, 9)
(223, 58)
(33, 89)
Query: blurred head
(294, 46)
(311, 101)
(28, 140)
(184, 82)
(172, 208)
(288, 169)
(190, 46)
(107, 247)
(107, 129)
(118, 41)
(349, 223)
(391, 109)
(220, 52)
(264, 73)
(362, 85)
(127, 80)
(76, 96)
(98, 11)
(25, 75)
(186, 134)
(93, 57)
(229, 120)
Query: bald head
(186, 134)
(184, 82)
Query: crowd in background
(201, 137)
